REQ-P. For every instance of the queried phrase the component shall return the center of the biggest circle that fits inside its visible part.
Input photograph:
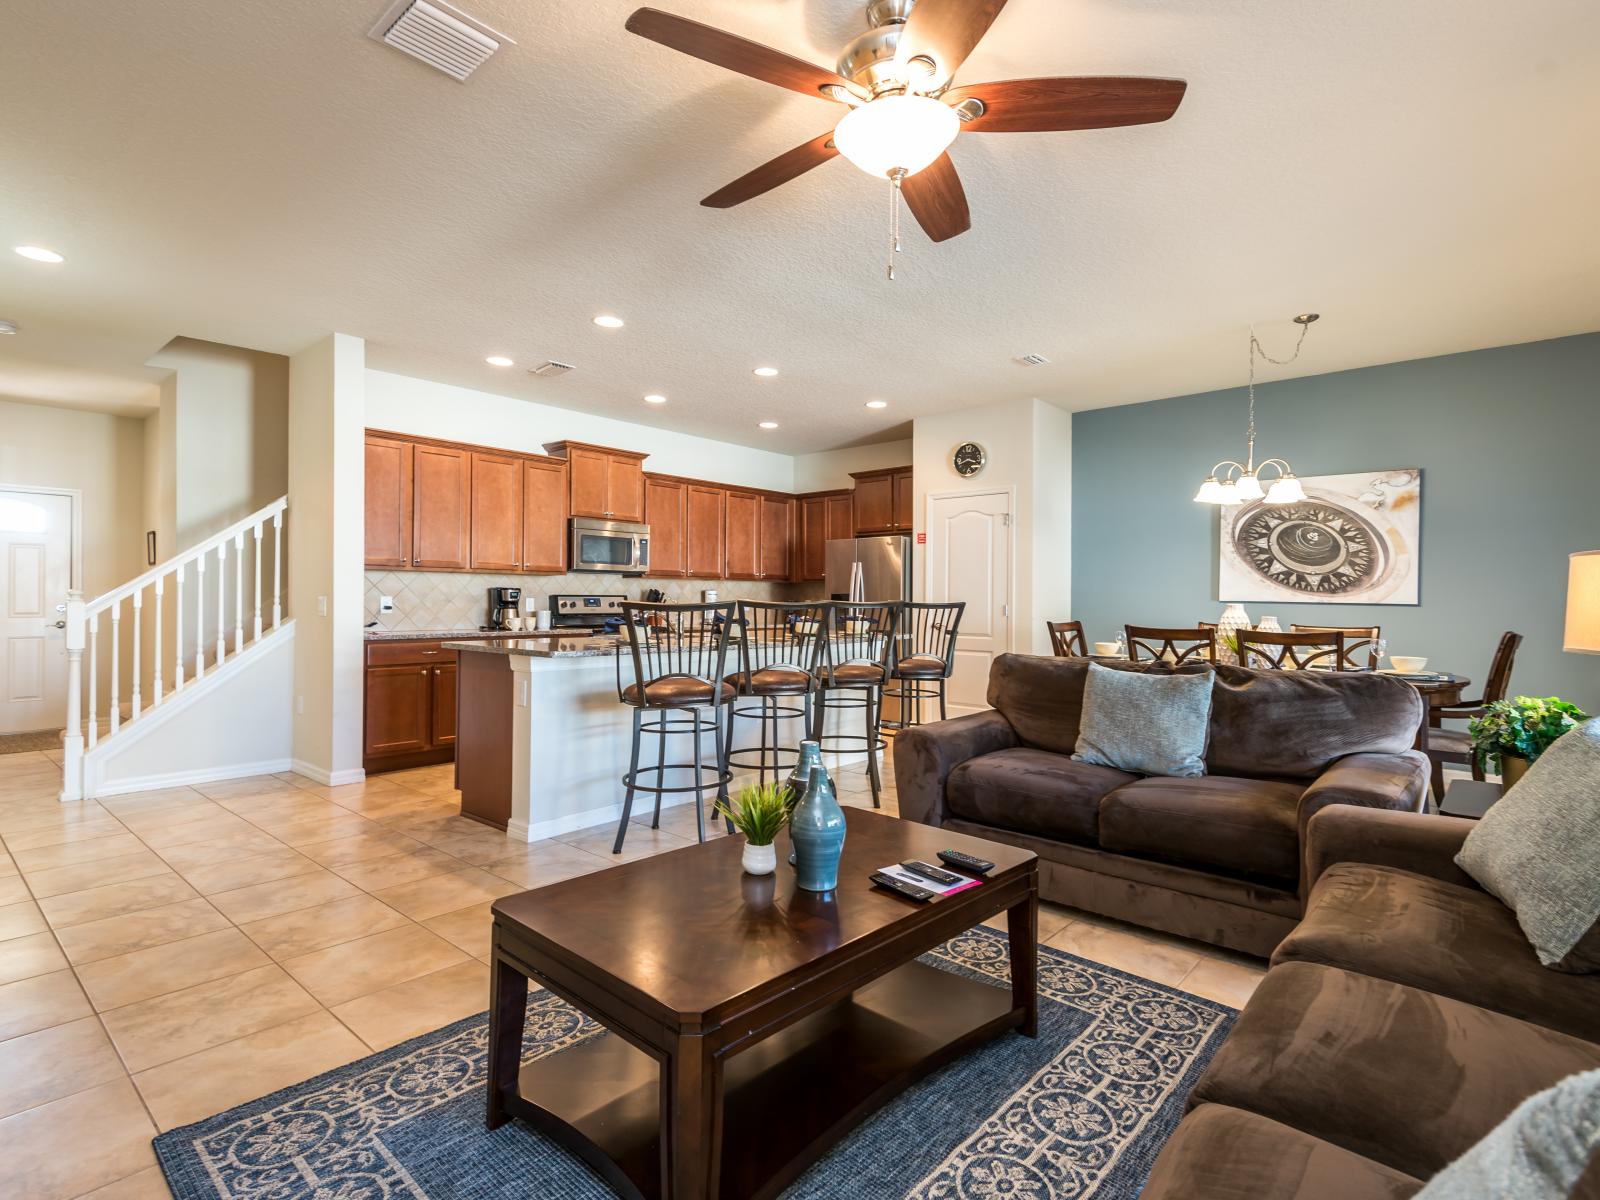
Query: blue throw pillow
(1146, 724)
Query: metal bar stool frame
(860, 638)
(779, 647)
(925, 640)
(683, 663)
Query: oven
(620, 547)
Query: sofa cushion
(1243, 827)
(1042, 698)
(1441, 937)
(1033, 791)
(1389, 1072)
(1146, 723)
(1219, 1153)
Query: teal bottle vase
(795, 785)
(817, 827)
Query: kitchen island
(542, 740)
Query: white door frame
(75, 500)
(1009, 491)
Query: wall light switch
(322, 606)
(386, 604)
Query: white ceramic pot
(759, 860)
(1233, 619)
(1269, 624)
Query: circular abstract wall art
(1316, 547)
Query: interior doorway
(38, 549)
(969, 558)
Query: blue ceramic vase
(795, 785)
(817, 827)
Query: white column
(72, 743)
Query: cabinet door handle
(430, 652)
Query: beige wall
(830, 469)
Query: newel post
(72, 743)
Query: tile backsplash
(453, 600)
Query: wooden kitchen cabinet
(743, 536)
(441, 505)
(496, 513)
(398, 707)
(776, 554)
(904, 502)
(388, 502)
(410, 718)
(820, 518)
(544, 516)
(664, 511)
(605, 483)
(883, 501)
(705, 533)
(442, 706)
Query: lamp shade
(1583, 603)
(1248, 487)
(896, 133)
(1285, 490)
(1210, 492)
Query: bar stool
(924, 657)
(855, 661)
(679, 654)
(779, 647)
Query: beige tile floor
(167, 955)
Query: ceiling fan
(904, 113)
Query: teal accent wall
(1509, 444)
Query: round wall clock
(968, 459)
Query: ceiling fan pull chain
(894, 217)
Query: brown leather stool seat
(857, 673)
(920, 666)
(775, 681)
(669, 693)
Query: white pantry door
(969, 558)
(35, 573)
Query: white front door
(35, 573)
(969, 558)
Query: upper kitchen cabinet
(496, 512)
(704, 522)
(605, 483)
(388, 502)
(883, 501)
(544, 516)
(743, 536)
(441, 506)
(777, 537)
(664, 501)
(820, 518)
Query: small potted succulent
(759, 812)
(1511, 734)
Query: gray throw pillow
(1536, 1153)
(1147, 724)
(1538, 850)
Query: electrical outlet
(322, 606)
(386, 604)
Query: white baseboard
(151, 783)
(329, 778)
(538, 831)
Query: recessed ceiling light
(499, 360)
(607, 321)
(769, 424)
(655, 398)
(39, 254)
(766, 372)
(8, 326)
(877, 404)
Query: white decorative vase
(1268, 624)
(1233, 619)
(759, 860)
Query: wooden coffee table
(752, 1024)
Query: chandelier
(1233, 482)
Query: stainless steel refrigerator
(871, 569)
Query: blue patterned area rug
(1080, 1112)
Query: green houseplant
(1511, 734)
(760, 813)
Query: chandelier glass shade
(902, 133)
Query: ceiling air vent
(440, 35)
(551, 369)
(1032, 360)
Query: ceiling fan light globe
(895, 133)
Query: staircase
(212, 699)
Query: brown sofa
(1216, 858)
(1402, 1020)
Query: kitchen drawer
(399, 654)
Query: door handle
(60, 624)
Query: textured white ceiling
(258, 173)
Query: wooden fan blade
(787, 166)
(734, 52)
(1079, 102)
(935, 197)
(945, 31)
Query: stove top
(573, 611)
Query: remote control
(909, 890)
(965, 862)
(927, 871)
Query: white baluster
(222, 590)
(255, 635)
(238, 592)
(277, 558)
(138, 616)
(155, 680)
(177, 633)
(72, 742)
(94, 674)
(200, 617)
(116, 666)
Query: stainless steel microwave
(615, 546)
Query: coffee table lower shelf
(785, 1100)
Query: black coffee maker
(504, 602)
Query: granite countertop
(542, 647)
(436, 635)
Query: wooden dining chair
(1067, 640)
(1455, 745)
(1291, 651)
(1360, 641)
(1197, 644)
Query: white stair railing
(84, 623)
